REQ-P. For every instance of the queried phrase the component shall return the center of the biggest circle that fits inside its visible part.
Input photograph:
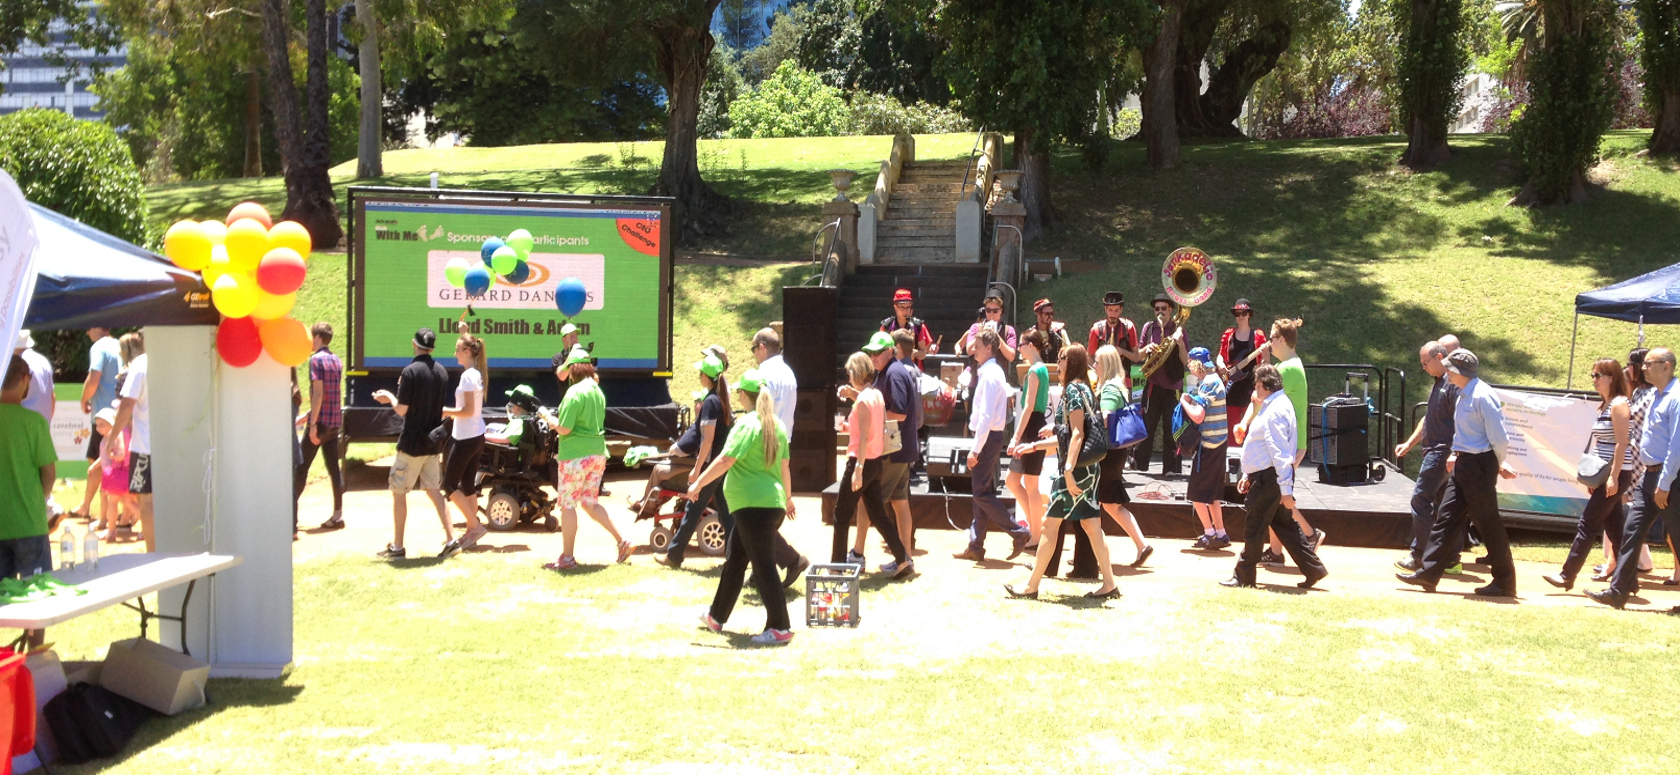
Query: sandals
(1013, 592)
(624, 550)
(566, 562)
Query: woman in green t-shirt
(1073, 494)
(755, 457)
(581, 425)
(1026, 462)
(1112, 396)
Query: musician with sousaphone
(1188, 279)
(1241, 347)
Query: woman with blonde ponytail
(460, 460)
(755, 457)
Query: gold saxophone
(1189, 277)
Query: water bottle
(90, 549)
(66, 549)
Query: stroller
(516, 476)
(673, 489)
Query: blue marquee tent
(85, 277)
(1653, 298)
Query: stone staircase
(919, 226)
(946, 298)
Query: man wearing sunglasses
(1055, 331)
(904, 318)
(991, 317)
(1160, 391)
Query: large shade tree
(1034, 68)
(301, 131)
(1239, 42)
(1572, 100)
(1659, 24)
(1432, 58)
(1160, 104)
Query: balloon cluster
(508, 258)
(253, 267)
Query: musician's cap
(1043, 304)
(903, 294)
(1202, 356)
(1160, 297)
(1241, 306)
(1113, 297)
(1462, 362)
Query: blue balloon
(520, 273)
(477, 281)
(489, 248)
(570, 296)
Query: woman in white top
(460, 461)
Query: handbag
(1592, 471)
(1095, 445)
(1125, 427)
(894, 438)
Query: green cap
(524, 396)
(752, 381)
(709, 366)
(880, 342)
(579, 355)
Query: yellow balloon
(247, 241)
(215, 230)
(271, 306)
(285, 340)
(218, 266)
(234, 298)
(290, 234)
(186, 244)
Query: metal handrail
(825, 254)
(978, 137)
(1020, 249)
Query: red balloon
(281, 271)
(252, 210)
(238, 342)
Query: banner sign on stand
(1548, 434)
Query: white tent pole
(1569, 382)
(1641, 330)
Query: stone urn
(1009, 180)
(842, 180)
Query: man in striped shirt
(1204, 404)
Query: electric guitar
(1240, 372)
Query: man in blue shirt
(99, 391)
(1434, 436)
(1477, 462)
(1660, 454)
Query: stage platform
(1373, 514)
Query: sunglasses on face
(1243, 314)
(1163, 310)
(993, 310)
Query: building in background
(54, 76)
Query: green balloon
(504, 259)
(455, 272)
(520, 240)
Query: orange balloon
(285, 340)
(247, 241)
(250, 210)
(290, 234)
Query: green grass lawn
(489, 664)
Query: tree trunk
(1665, 134)
(1160, 122)
(369, 162)
(1200, 22)
(282, 97)
(684, 45)
(1424, 148)
(1230, 85)
(253, 124)
(1034, 191)
(309, 192)
(1426, 144)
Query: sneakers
(709, 623)
(1270, 557)
(855, 559)
(1204, 542)
(471, 537)
(1318, 539)
(1457, 569)
(451, 549)
(393, 553)
(772, 637)
(1220, 541)
(897, 569)
(796, 571)
(566, 562)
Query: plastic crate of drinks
(831, 595)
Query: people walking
(860, 484)
(1026, 460)
(1480, 444)
(1433, 435)
(1112, 396)
(582, 457)
(99, 392)
(1609, 443)
(754, 467)
(460, 459)
(988, 420)
(325, 422)
(1204, 404)
(1649, 501)
(419, 402)
(1268, 485)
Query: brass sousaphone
(1189, 278)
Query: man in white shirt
(1268, 480)
(988, 418)
(133, 406)
(778, 378)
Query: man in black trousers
(1477, 462)
(1650, 498)
(1268, 481)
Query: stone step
(944, 211)
(940, 187)
(921, 222)
(886, 244)
(934, 168)
(944, 255)
(956, 273)
(895, 231)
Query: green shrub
(880, 114)
(78, 168)
(790, 103)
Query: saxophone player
(1160, 391)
